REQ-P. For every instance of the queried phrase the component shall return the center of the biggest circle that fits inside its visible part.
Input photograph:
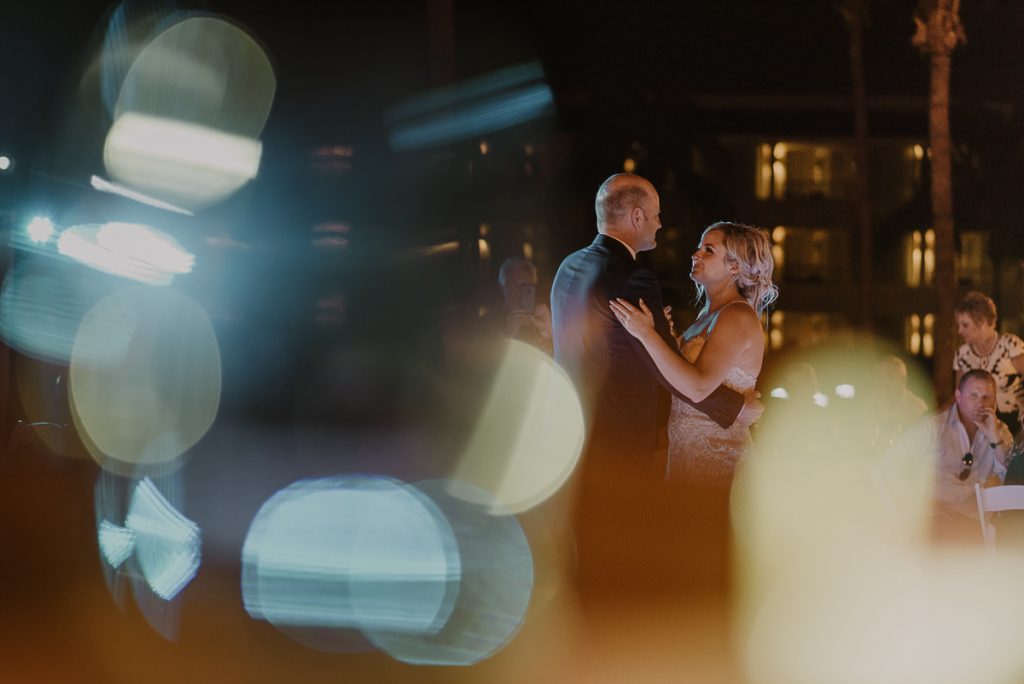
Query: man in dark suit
(625, 399)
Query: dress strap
(714, 317)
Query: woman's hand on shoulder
(638, 322)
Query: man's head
(976, 395)
(890, 377)
(518, 280)
(628, 208)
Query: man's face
(649, 221)
(973, 331)
(976, 400)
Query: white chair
(993, 500)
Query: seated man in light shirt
(965, 444)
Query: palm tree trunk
(942, 216)
(855, 21)
(938, 32)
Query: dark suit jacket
(624, 396)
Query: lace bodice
(737, 378)
(701, 451)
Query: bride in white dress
(732, 269)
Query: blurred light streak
(5, 163)
(114, 497)
(495, 588)
(432, 250)
(529, 435)
(444, 98)
(127, 250)
(140, 410)
(503, 111)
(199, 68)
(350, 552)
(116, 543)
(779, 393)
(42, 304)
(40, 229)
(113, 188)
(167, 544)
(820, 399)
(188, 163)
(838, 581)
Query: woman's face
(972, 331)
(708, 263)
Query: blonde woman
(732, 269)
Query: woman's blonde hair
(749, 248)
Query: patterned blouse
(1010, 389)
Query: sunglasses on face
(965, 469)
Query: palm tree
(938, 32)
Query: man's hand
(515, 321)
(987, 424)
(752, 409)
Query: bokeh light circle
(150, 404)
(324, 558)
(495, 588)
(529, 436)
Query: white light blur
(143, 408)
(5, 162)
(529, 435)
(140, 242)
(839, 579)
(350, 553)
(177, 161)
(846, 391)
(129, 250)
(779, 393)
(40, 229)
(104, 185)
(820, 399)
(167, 544)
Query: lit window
(484, 147)
(928, 339)
(775, 335)
(779, 250)
(929, 256)
(919, 258)
(973, 265)
(920, 334)
(779, 180)
(763, 182)
(485, 250)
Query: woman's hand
(638, 322)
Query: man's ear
(637, 216)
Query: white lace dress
(699, 450)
